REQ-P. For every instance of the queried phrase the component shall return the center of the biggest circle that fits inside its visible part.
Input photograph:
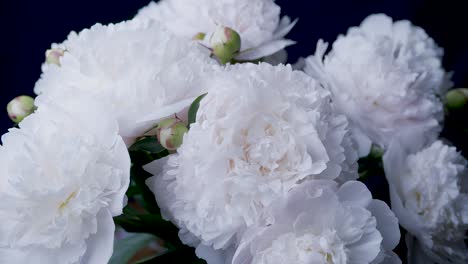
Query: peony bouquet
(181, 136)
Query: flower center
(327, 245)
(264, 148)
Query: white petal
(213, 256)
(119, 199)
(165, 112)
(264, 50)
(160, 187)
(284, 27)
(101, 245)
(363, 142)
(387, 224)
(355, 192)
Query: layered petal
(63, 177)
(429, 195)
(257, 22)
(385, 77)
(330, 226)
(154, 76)
(260, 131)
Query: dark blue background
(27, 28)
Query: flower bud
(225, 43)
(170, 133)
(199, 36)
(53, 56)
(376, 152)
(456, 98)
(20, 107)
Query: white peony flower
(63, 177)
(260, 131)
(134, 68)
(257, 22)
(429, 195)
(321, 223)
(386, 77)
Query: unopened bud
(456, 98)
(20, 107)
(53, 56)
(170, 133)
(199, 36)
(376, 152)
(226, 43)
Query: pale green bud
(53, 56)
(20, 107)
(170, 133)
(456, 98)
(376, 152)
(199, 36)
(226, 43)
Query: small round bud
(170, 133)
(20, 107)
(199, 36)
(53, 56)
(226, 43)
(456, 98)
(376, 152)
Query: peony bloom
(386, 77)
(257, 21)
(429, 195)
(260, 131)
(63, 177)
(135, 68)
(322, 223)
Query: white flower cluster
(262, 132)
(386, 78)
(257, 22)
(137, 70)
(429, 194)
(64, 176)
(65, 171)
(265, 173)
(331, 225)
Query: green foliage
(180, 255)
(126, 248)
(192, 113)
(147, 144)
(150, 223)
(142, 215)
(372, 164)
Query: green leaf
(192, 113)
(126, 248)
(183, 254)
(141, 158)
(149, 223)
(139, 177)
(132, 191)
(148, 144)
